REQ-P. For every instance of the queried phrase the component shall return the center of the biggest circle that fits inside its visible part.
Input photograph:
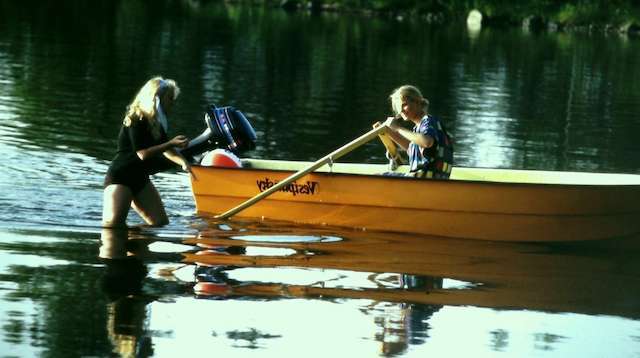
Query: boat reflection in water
(595, 277)
(403, 280)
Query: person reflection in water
(405, 323)
(143, 149)
(122, 284)
(428, 145)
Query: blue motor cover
(227, 128)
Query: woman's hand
(378, 124)
(393, 126)
(179, 141)
(393, 123)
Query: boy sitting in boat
(428, 145)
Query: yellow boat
(475, 203)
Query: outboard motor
(227, 128)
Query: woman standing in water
(143, 146)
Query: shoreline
(584, 17)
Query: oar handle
(297, 175)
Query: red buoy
(221, 158)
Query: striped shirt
(435, 161)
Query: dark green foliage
(565, 12)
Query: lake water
(309, 84)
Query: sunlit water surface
(309, 84)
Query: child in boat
(143, 149)
(429, 144)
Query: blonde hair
(144, 103)
(407, 92)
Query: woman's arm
(403, 136)
(174, 156)
(406, 136)
(178, 141)
(398, 139)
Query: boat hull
(471, 209)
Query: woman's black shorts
(135, 180)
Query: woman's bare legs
(115, 206)
(148, 204)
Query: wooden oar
(390, 146)
(317, 164)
